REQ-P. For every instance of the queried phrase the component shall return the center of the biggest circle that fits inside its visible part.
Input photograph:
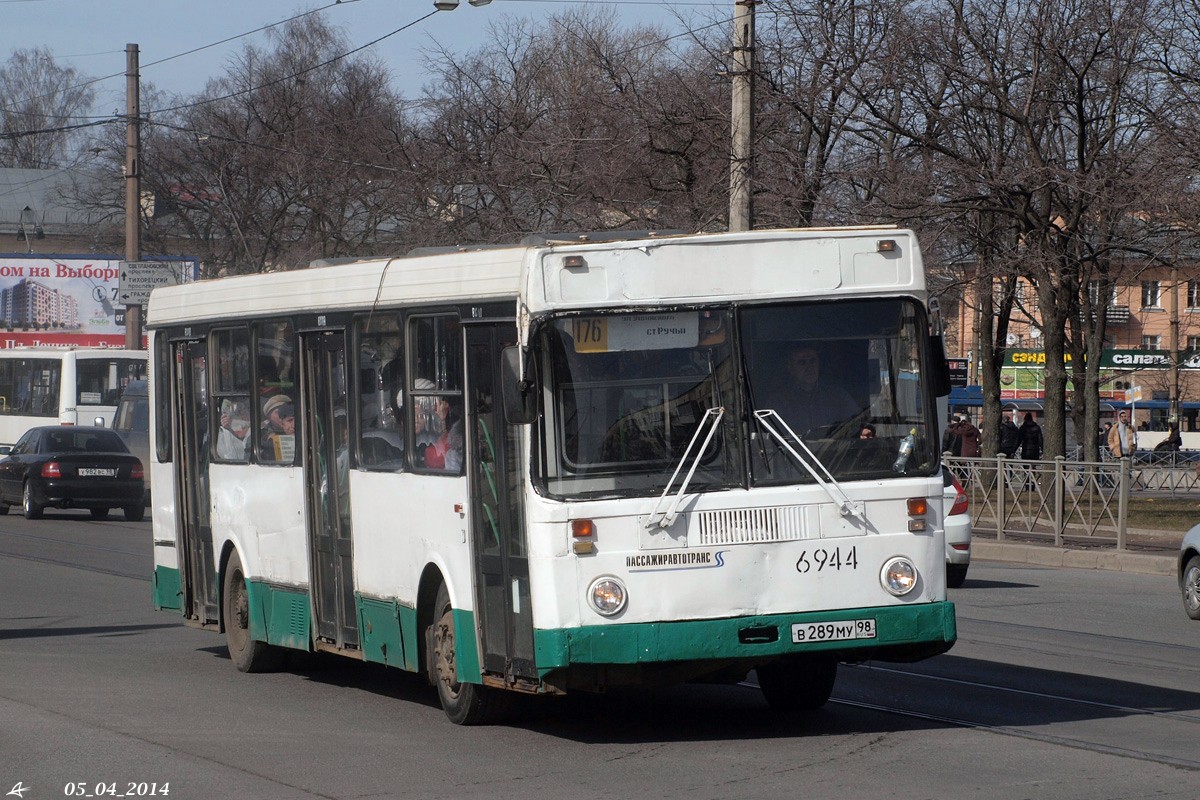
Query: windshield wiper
(831, 487)
(665, 519)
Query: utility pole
(133, 194)
(741, 211)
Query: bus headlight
(898, 576)
(607, 596)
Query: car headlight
(607, 596)
(898, 576)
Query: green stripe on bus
(166, 590)
(387, 632)
(926, 628)
(388, 635)
(387, 629)
(278, 615)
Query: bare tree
(572, 125)
(286, 158)
(42, 97)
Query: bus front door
(195, 529)
(501, 558)
(326, 436)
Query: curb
(1044, 556)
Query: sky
(91, 35)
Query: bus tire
(798, 684)
(98, 513)
(464, 703)
(134, 513)
(956, 575)
(247, 653)
(31, 507)
(3, 508)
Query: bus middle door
(326, 437)
(501, 557)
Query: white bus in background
(563, 466)
(67, 385)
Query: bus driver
(803, 400)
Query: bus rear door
(194, 526)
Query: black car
(72, 467)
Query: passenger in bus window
(232, 439)
(279, 432)
(437, 425)
(805, 401)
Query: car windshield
(846, 378)
(73, 440)
(629, 393)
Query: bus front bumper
(900, 633)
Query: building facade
(1152, 347)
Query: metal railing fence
(1063, 499)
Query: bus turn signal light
(581, 528)
(917, 506)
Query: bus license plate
(92, 472)
(833, 631)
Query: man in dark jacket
(1010, 436)
(1031, 438)
(951, 442)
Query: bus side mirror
(940, 377)
(516, 393)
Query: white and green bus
(566, 465)
(62, 385)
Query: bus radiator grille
(752, 525)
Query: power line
(297, 74)
(275, 148)
(168, 58)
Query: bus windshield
(846, 378)
(629, 393)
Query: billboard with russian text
(64, 301)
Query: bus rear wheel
(801, 683)
(248, 654)
(464, 703)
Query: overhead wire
(97, 121)
(226, 40)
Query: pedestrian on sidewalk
(1031, 438)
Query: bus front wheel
(464, 703)
(248, 654)
(802, 683)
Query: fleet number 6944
(822, 559)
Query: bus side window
(380, 393)
(162, 397)
(231, 395)
(276, 385)
(6, 387)
(435, 401)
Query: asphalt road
(1064, 684)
